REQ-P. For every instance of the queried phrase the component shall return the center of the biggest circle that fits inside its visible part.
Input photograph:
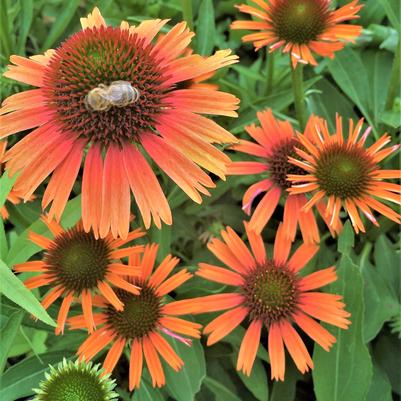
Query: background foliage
(365, 363)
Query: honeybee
(118, 93)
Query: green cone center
(299, 21)
(343, 172)
(78, 260)
(75, 386)
(270, 292)
(140, 315)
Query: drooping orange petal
(135, 364)
(86, 298)
(153, 363)
(166, 351)
(114, 355)
(314, 330)
(110, 295)
(181, 326)
(92, 189)
(62, 315)
(115, 196)
(147, 192)
(276, 352)
(249, 347)
(295, 347)
(265, 209)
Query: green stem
(395, 79)
(187, 13)
(270, 70)
(299, 100)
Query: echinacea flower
(275, 142)
(109, 94)
(347, 173)
(79, 266)
(76, 381)
(300, 27)
(12, 196)
(269, 292)
(143, 323)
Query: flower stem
(299, 101)
(187, 13)
(395, 78)
(270, 70)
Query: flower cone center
(279, 166)
(140, 315)
(343, 172)
(75, 386)
(97, 58)
(270, 293)
(299, 21)
(78, 260)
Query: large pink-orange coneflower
(300, 27)
(111, 95)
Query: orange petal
(249, 347)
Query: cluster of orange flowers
(122, 97)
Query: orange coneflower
(116, 91)
(142, 322)
(300, 27)
(78, 265)
(269, 293)
(13, 195)
(346, 173)
(276, 141)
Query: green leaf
(393, 11)
(380, 389)
(22, 249)
(345, 372)
(351, 76)
(147, 393)
(8, 331)
(163, 238)
(183, 385)
(220, 392)
(346, 239)
(257, 383)
(6, 183)
(206, 29)
(13, 289)
(285, 391)
(380, 303)
(388, 355)
(25, 17)
(387, 255)
(330, 102)
(19, 380)
(378, 67)
(3, 241)
(59, 27)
